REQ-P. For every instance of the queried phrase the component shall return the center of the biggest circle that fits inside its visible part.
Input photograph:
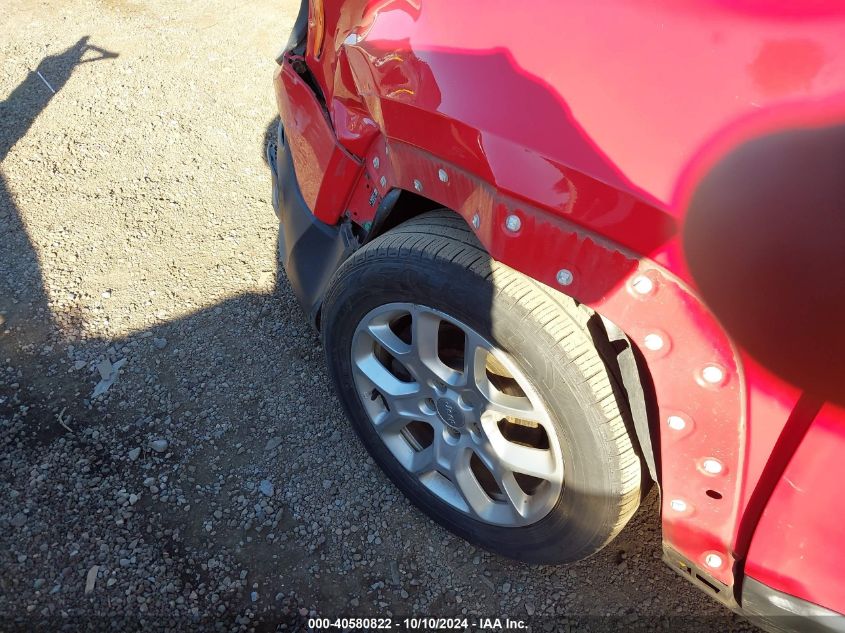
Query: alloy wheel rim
(458, 414)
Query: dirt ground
(214, 483)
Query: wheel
(480, 393)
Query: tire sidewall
(586, 511)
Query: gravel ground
(172, 453)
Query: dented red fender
(591, 124)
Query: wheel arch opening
(634, 389)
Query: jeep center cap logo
(450, 413)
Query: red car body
(599, 125)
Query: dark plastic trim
(309, 250)
(298, 32)
(780, 612)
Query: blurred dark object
(765, 242)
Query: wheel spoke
(387, 338)
(517, 499)
(510, 406)
(475, 359)
(472, 491)
(423, 461)
(425, 334)
(384, 381)
(425, 339)
(391, 422)
(513, 457)
(453, 462)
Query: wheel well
(397, 207)
(634, 386)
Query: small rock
(266, 488)
(272, 443)
(18, 520)
(39, 582)
(254, 596)
(105, 368)
(159, 343)
(134, 454)
(159, 446)
(91, 579)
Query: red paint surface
(592, 122)
(803, 526)
(324, 169)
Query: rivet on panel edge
(653, 341)
(642, 285)
(712, 466)
(513, 223)
(476, 221)
(712, 375)
(713, 560)
(564, 277)
(417, 185)
(676, 422)
(678, 505)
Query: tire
(433, 267)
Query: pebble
(272, 443)
(159, 446)
(266, 488)
(134, 454)
(159, 343)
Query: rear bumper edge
(779, 612)
(309, 250)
